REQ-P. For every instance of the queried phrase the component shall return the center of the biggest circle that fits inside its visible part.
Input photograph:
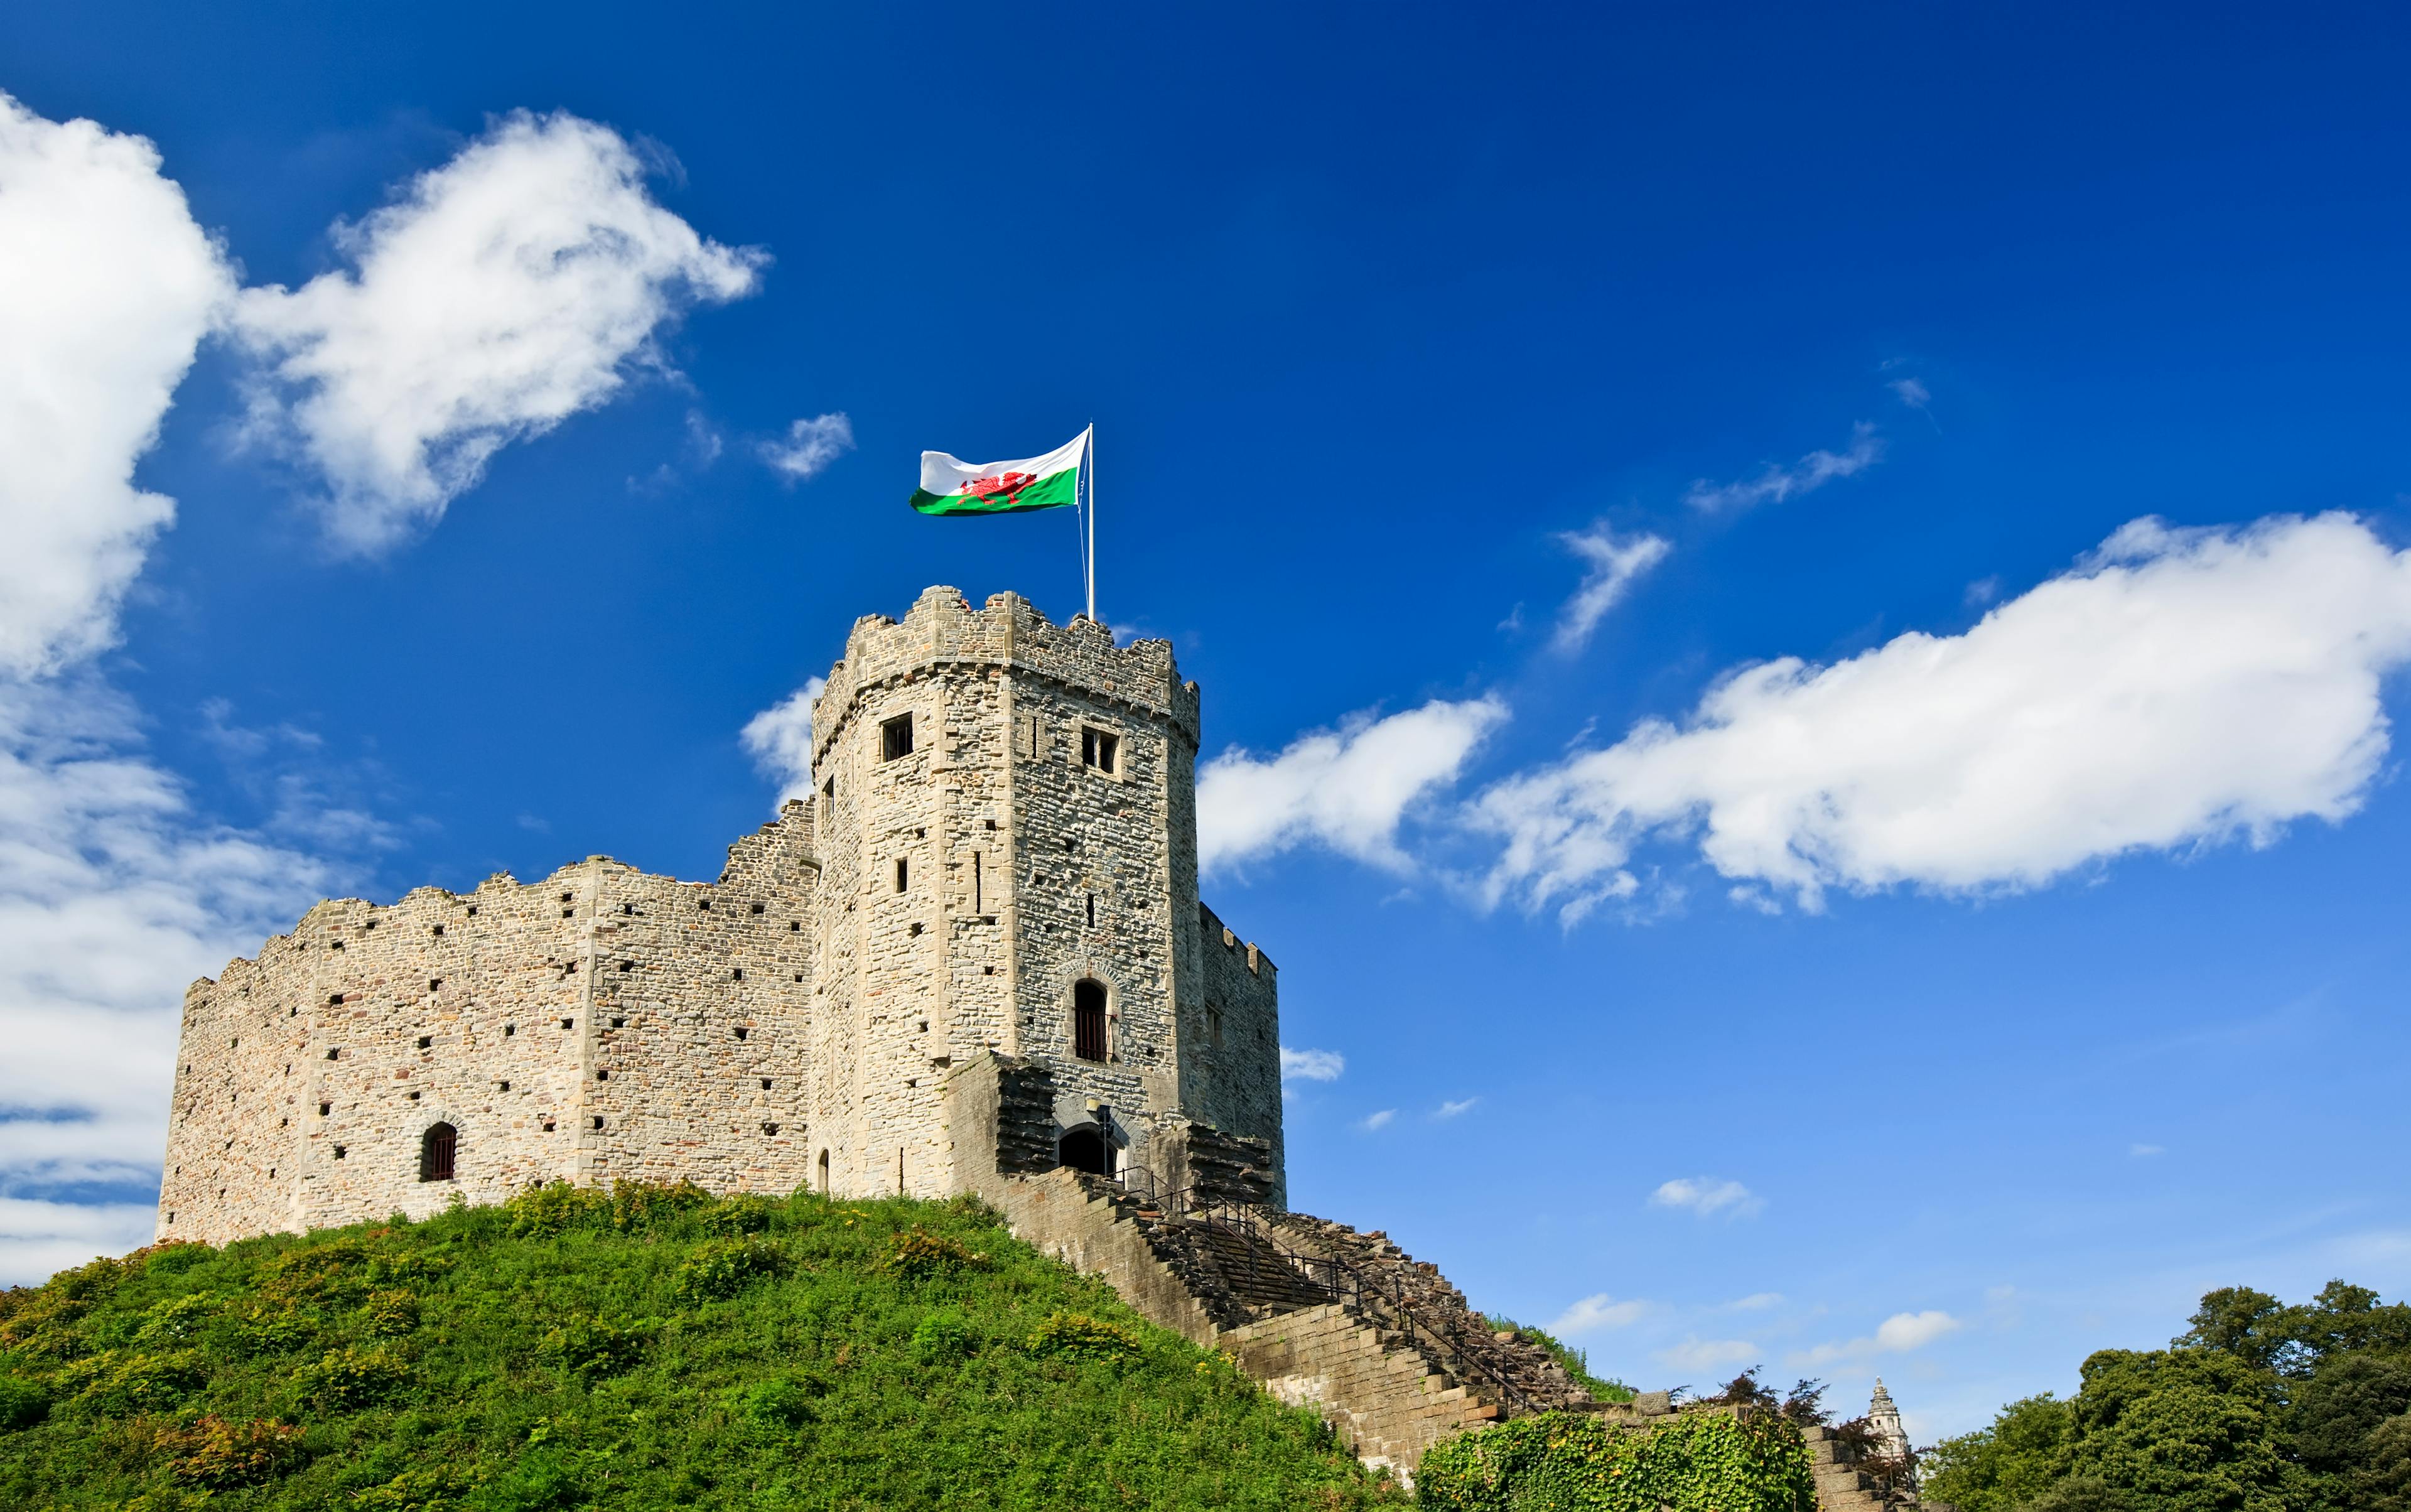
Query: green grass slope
(651, 1348)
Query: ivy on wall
(1697, 1461)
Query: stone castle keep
(999, 857)
(972, 961)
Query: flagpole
(1091, 471)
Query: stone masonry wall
(792, 1023)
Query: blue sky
(1487, 407)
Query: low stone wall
(1386, 1403)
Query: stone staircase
(1843, 1487)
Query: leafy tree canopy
(2258, 1406)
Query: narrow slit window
(903, 872)
(1096, 749)
(975, 884)
(1089, 1020)
(1214, 1027)
(896, 738)
(1092, 910)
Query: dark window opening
(828, 789)
(569, 1023)
(565, 897)
(598, 1121)
(547, 1126)
(325, 1108)
(502, 1086)
(1096, 749)
(823, 1173)
(334, 1054)
(414, 1097)
(1089, 1021)
(618, 1023)
(602, 1076)
(1214, 1027)
(437, 1148)
(509, 1029)
(769, 1128)
(434, 984)
(757, 908)
(627, 965)
(340, 1152)
(1086, 1150)
(896, 738)
(439, 929)
(425, 1041)
(975, 884)
(1092, 910)
(765, 1083)
(903, 872)
(738, 974)
(740, 1032)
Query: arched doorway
(439, 1148)
(1086, 1148)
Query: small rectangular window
(896, 738)
(828, 789)
(902, 871)
(975, 884)
(1096, 749)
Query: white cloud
(2144, 1152)
(1897, 1335)
(1593, 1313)
(1451, 1109)
(1696, 1354)
(1904, 1332)
(1379, 1120)
(1613, 561)
(113, 894)
(2177, 688)
(107, 286)
(1755, 1302)
(780, 741)
(1706, 1195)
(1346, 788)
(1311, 1065)
(516, 286)
(42, 1239)
(1779, 483)
(808, 447)
(1911, 391)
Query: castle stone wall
(790, 1024)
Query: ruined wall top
(942, 629)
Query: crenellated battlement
(942, 630)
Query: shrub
(210, 1452)
(942, 1336)
(116, 1384)
(392, 1312)
(554, 1207)
(1700, 1461)
(919, 1255)
(1078, 1336)
(725, 1266)
(273, 1329)
(350, 1378)
(586, 1347)
(644, 1205)
(23, 1403)
(783, 1401)
(738, 1215)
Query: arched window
(1086, 1150)
(437, 1148)
(823, 1173)
(1089, 1020)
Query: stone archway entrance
(1086, 1150)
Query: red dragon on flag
(1005, 485)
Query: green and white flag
(950, 486)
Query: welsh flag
(950, 486)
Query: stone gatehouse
(998, 862)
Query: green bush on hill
(638, 1348)
(1697, 1461)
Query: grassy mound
(650, 1347)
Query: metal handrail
(1344, 1282)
